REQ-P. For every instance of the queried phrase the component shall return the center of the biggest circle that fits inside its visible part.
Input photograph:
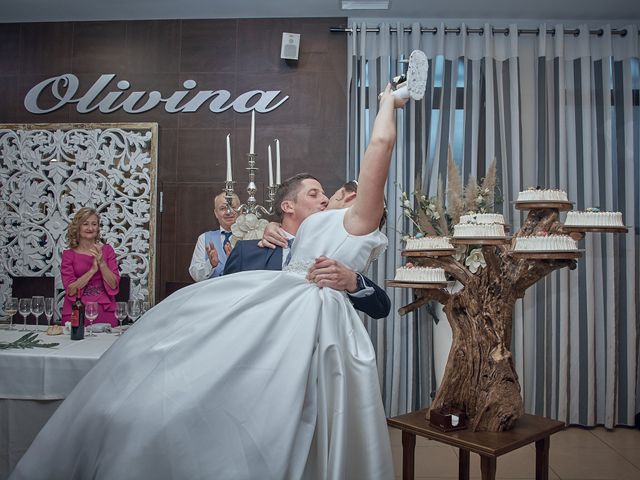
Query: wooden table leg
(463, 464)
(408, 454)
(542, 458)
(488, 467)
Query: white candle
(253, 132)
(270, 168)
(229, 176)
(277, 162)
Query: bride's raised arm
(364, 216)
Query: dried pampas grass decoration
(444, 227)
(489, 185)
(471, 195)
(455, 201)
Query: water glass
(24, 307)
(10, 309)
(145, 307)
(91, 312)
(133, 309)
(121, 314)
(37, 308)
(48, 309)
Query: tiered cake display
(545, 243)
(428, 243)
(593, 220)
(480, 378)
(420, 274)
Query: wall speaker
(290, 46)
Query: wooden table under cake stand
(489, 445)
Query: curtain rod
(457, 30)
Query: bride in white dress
(257, 375)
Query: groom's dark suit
(247, 255)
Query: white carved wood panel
(49, 171)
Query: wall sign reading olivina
(65, 87)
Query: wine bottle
(77, 319)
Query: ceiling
(590, 11)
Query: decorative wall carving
(49, 171)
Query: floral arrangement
(248, 227)
(434, 217)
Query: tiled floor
(576, 454)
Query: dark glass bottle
(77, 319)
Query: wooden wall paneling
(152, 46)
(209, 46)
(9, 48)
(98, 47)
(46, 48)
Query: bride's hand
(388, 96)
(273, 236)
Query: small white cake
(546, 243)
(429, 243)
(478, 230)
(594, 219)
(420, 274)
(542, 195)
(482, 218)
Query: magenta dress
(74, 265)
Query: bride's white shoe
(413, 84)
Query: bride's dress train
(257, 375)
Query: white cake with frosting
(480, 225)
(542, 195)
(420, 274)
(482, 218)
(594, 219)
(545, 243)
(429, 243)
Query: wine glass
(145, 307)
(37, 308)
(24, 307)
(48, 310)
(121, 314)
(91, 312)
(133, 309)
(11, 308)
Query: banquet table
(33, 382)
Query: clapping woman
(89, 268)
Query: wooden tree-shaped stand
(480, 378)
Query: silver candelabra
(252, 205)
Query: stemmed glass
(37, 308)
(48, 310)
(91, 312)
(24, 307)
(10, 309)
(121, 314)
(145, 307)
(133, 309)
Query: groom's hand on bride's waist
(326, 272)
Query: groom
(297, 198)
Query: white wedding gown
(257, 375)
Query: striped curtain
(559, 111)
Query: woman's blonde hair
(79, 218)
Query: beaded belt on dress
(299, 266)
(93, 290)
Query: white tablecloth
(48, 373)
(34, 382)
